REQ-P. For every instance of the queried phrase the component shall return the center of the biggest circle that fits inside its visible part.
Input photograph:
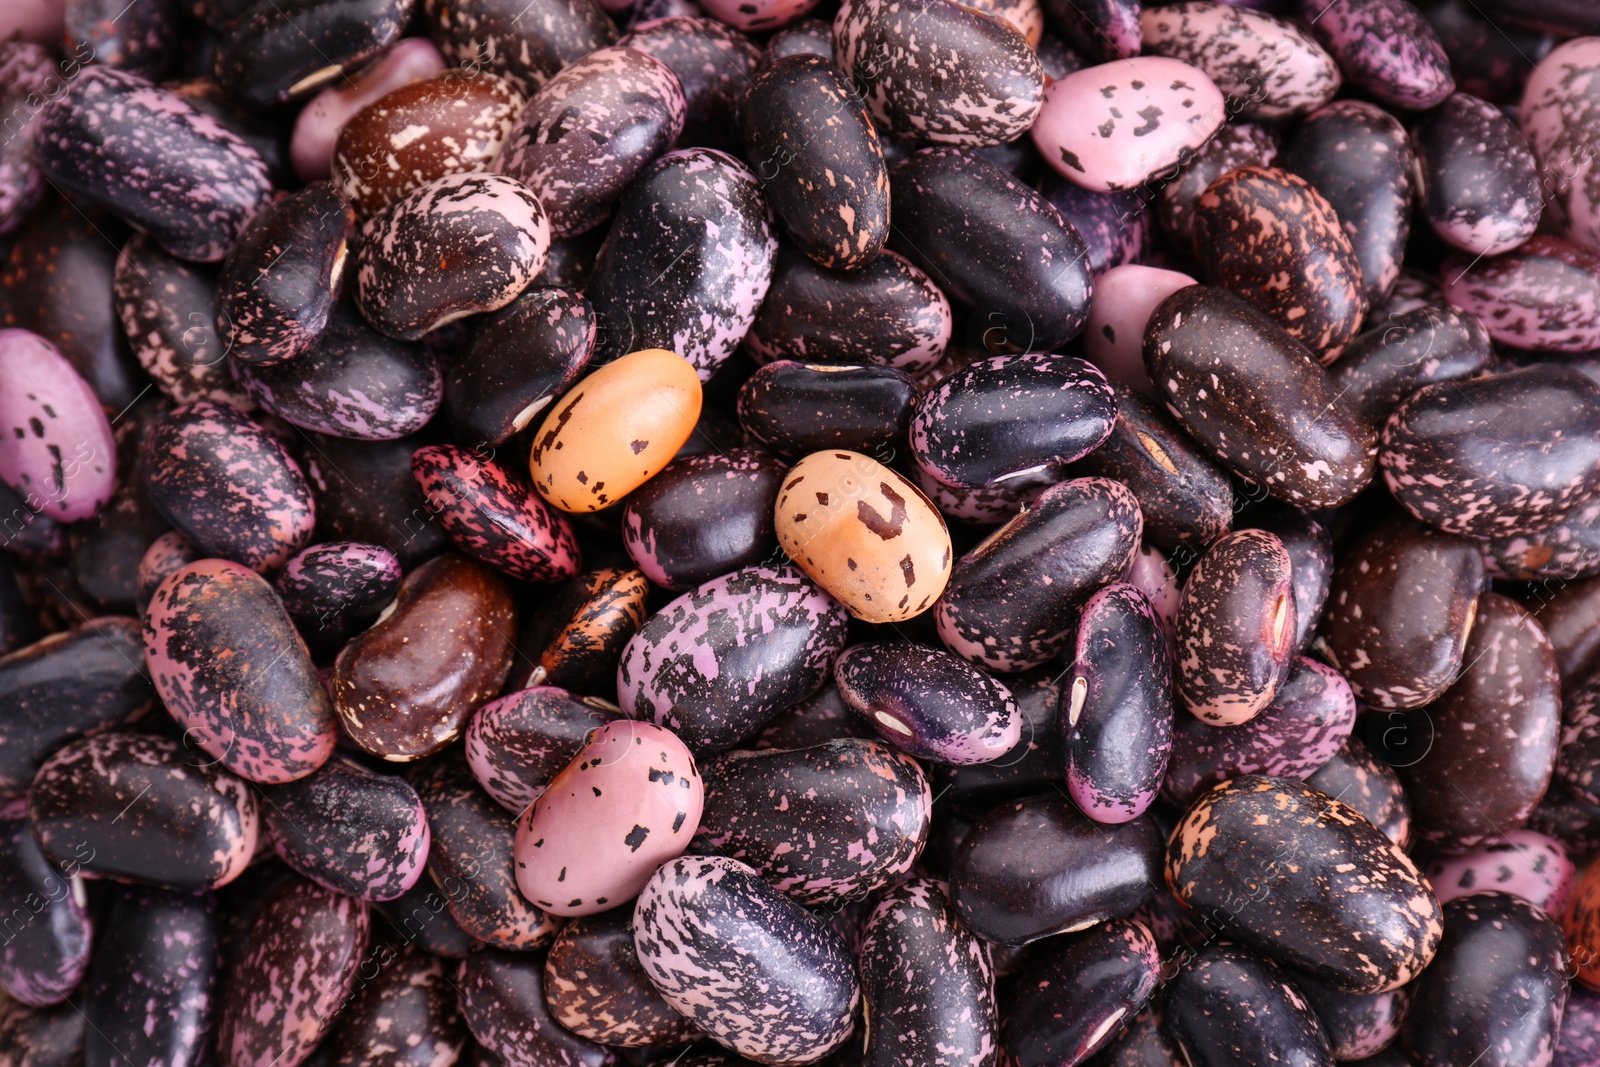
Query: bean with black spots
(517, 744)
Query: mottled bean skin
(1495, 948)
(1116, 712)
(227, 484)
(699, 306)
(886, 312)
(332, 589)
(1075, 997)
(143, 809)
(812, 145)
(274, 55)
(283, 276)
(1255, 227)
(1385, 48)
(350, 830)
(1004, 415)
(824, 824)
(68, 685)
(1357, 1025)
(493, 516)
(992, 97)
(1480, 188)
(753, 969)
(494, 34)
(1525, 863)
(154, 159)
(1237, 144)
(364, 491)
(597, 615)
(1011, 601)
(404, 1016)
(1269, 68)
(1506, 454)
(1542, 296)
(1309, 718)
(1361, 160)
(151, 994)
(595, 986)
(260, 709)
(928, 703)
(301, 959)
(351, 381)
(1273, 864)
(43, 1038)
(503, 1001)
(1037, 867)
(517, 744)
(1400, 611)
(713, 63)
(1401, 352)
(722, 659)
(46, 951)
(926, 983)
(590, 130)
(519, 360)
(1370, 786)
(992, 245)
(703, 516)
(471, 860)
(457, 246)
(57, 451)
(799, 408)
(1224, 368)
(1227, 1006)
(1235, 628)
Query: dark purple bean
(1506, 454)
(994, 246)
(233, 672)
(1308, 721)
(68, 685)
(713, 63)
(50, 1037)
(928, 703)
(1402, 606)
(592, 620)
(785, 987)
(470, 860)
(595, 986)
(1114, 226)
(520, 359)
(1495, 947)
(154, 159)
(228, 484)
(1488, 59)
(1116, 713)
(46, 949)
(703, 516)
(151, 994)
(887, 312)
(1074, 997)
(350, 829)
(1358, 1025)
(1183, 496)
(140, 809)
(1568, 549)
(647, 295)
(422, 914)
(1011, 601)
(1370, 786)
(1235, 628)
(721, 660)
(1235, 145)
(926, 982)
(799, 408)
(1227, 1006)
(816, 153)
(516, 745)
(405, 1016)
(824, 824)
(300, 961)
(1360, 159)
(1480, 188)
(365, 492)
(1400, 353)
(1255, 399)
(493, 34)
(166, 309)
(351, 382)
(1036, 764)
(331, 589)
(284, 50)
(283, 277)
(1038, 867)
(1270, 237)
(1385, 48)
(589, 132)
(1310, 551)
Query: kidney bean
(502, 996)
(317, 127)
(48, 934)
(1227, 1005)
(1385, 48)
(595, 986)
(593, 619)
(713, 64)
(1268, 68)
(1074, 998)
